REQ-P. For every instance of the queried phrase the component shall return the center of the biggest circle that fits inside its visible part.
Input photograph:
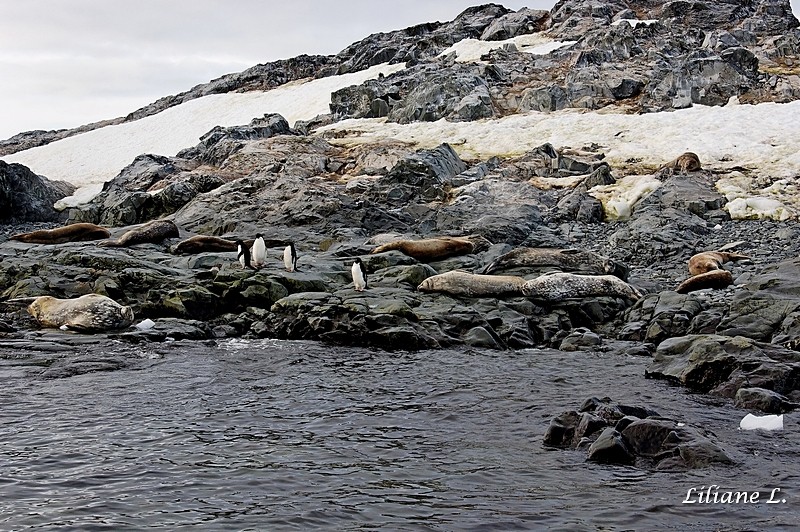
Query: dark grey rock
(27, 197)
(610, 448)
(764, 400)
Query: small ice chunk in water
(770, 422)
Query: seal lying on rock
(571, 260)
(554, 287)
(460, 283)
(89, 313)
(712, 260)
(429, 249)
(202, 243)
(686, 162)
(79, 232)
(706, 271)
(151, 232)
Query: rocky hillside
(337, 196)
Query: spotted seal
(88, 313)
(706, 271)
(152, 232)
(460, 283)
(78, 232)
(570, 260)
(430, 249)
(554, 287)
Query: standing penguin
(290, 258)
(359, 275)
(244, 254)
(259, 252)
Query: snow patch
(758, 208)
(620, 198)
(81, 196)
(471, 50)
(633, 22)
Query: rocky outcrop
(27, 197)
(630, 435)
(755, 374)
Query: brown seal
(706, 271)
(570, 260)
(712, 260)
(710, 279)
(201, 243)
(555, 287)
(430, 249)
(151, 232)
(472, 285)
(686, 162)
(79, 232)
(89, 313)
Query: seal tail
(735, 256)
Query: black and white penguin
(259, 252)
(359, 275)
(290, 258)
(244, 254)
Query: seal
(79, 232)
(712, 260)
(460, 283)
(152, 232)
(429, 249)
(259, 252)
(88, 313)
(202, 243)
(706, 271)
(686, 162)
(711, 279)
(554, 287)
(570, 260)
(359, 272)
(290, 258)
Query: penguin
(359, 275)
(259, 252)
(244, 255)
(290, 258)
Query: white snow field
(98, 156)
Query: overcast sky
(68, 63)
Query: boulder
(27, 197)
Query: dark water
(275, 435)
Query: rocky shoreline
(338, 201)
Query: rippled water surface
(289, 435)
